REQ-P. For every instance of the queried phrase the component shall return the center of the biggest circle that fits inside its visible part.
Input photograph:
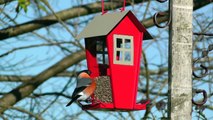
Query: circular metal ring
(203, 74)
(161, 1)
(156, 22)
(204, 97)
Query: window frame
(123, 50)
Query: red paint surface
(124, 78)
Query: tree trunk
(180, 60)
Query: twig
(31, 46)
(205, 34)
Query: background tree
(39, 56)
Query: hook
(160, 14)
(102, 6)
(204, 97)
(203, 74)
(124, 5)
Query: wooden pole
(180, 60)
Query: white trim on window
(123, 49)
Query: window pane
(119, 43)
(127, 56)
(119, 55)
(127, 44)
(100, 58)
(106, 59)
(105, 49)
(99, 45)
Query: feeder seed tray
(103, 90)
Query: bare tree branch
(51, 19)
(16, 78)
(5, 1)
(27, 112)
(32, 46)
(26, 89)
(76, 12)
(51, 93)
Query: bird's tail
(73, 99)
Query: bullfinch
(84, 89)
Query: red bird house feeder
(113, 44)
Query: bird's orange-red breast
(90, 89)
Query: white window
(123, 50)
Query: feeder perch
(113, 45)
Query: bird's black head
(86, 71)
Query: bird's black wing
(78, 90)
(73, 99)
(75, 95)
